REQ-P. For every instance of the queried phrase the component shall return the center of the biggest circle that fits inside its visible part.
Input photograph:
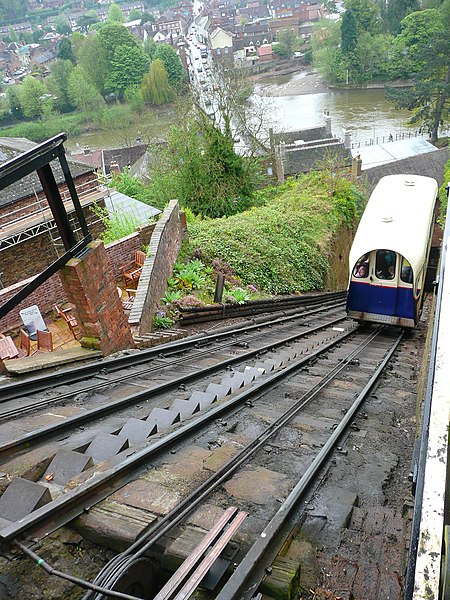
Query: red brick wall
(49, 293)
(164, 247)
(90, 286)
(52, 292)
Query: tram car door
(381, 289)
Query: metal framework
(38, 159)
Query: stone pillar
(90, 287)
(347, 139)
(356, 167)
(327, 120)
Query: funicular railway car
(389, 256)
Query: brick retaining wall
(52, 292)
(164, 247)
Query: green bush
(443, 196)
(283, 246)
(38, 131)
(162, 322)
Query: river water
(365, 112)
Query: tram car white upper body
(389, 256)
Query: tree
(62, 25)
(14, 104)
(88, 19)
(396, 11)
(82, 92)
(91, 55)
(172, 64)
(367, 15)
(429, 96)
(65, 50)
(12, 9)
(135, 14)
(32, 95)
(57, 84)
(111, 37)
(150, 47)
(155, 87)
(115, 14)
(127, 68)
(201, 169)
(349, 36)
(288, 41)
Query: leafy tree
(12, 35)
(429, 96)
(172, 63)
(288, 41)
(111, 37)
(367, 15)
(396, 11)
(128, 66)
(349, 36)
(62, 25)
(65, 50)
(82, 93)
(201, 169)
(57, 84)
(115, 14)
(14, 104)
(150, 47)
(134, 98)
(135, 14)
(155, 87)
(32, 97)
(12, 9)
(87, 20)
(116, 120)
(147, 18)
(91, 55)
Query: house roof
(11, 147)
(265, 50)
(117, 202)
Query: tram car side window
(389, 254)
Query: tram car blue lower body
(392, 305)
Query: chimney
(327, 119)
(87, 150)
(114, 167)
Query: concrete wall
(164, 247)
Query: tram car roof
(397, 217)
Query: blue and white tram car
(389, 256)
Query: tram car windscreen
(389, 256)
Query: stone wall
(337, 276)
(52, 292)
(164, 247)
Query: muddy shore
(302, 82)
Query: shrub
(237, 296)
(281, 247)
(161, 321)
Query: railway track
(227, 406)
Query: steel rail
(72, 503)
(238, 585)
(14, 412)
(41, 383)
(109, 575)
(33, 437)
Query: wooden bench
(69, 319)
(132, 271)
